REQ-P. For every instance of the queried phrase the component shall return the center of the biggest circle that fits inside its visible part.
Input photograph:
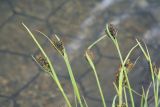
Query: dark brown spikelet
(43, 62)
(117, 77)
(129, 65)
(112, 30)
(59, 46)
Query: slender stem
(134, 92)
(130, 89)
(62, 91)
(97, 79)
(75, 87)
(125, 95)
(102, 37)
(157, 92)
(85, 102)
(146, 96)
(116, 88)
(114, 101)
(118, 49)
(120, 88)
(130, 53)
(142, 98)
(153, 80)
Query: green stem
(97, 79)
(102, 37)
(75, 87)
(157, 92)
(118, 49)
(125, 96)
(130, 89)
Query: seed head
(112, 30)
(43, 62)
(58, 44)
(128, 65)
(117, 79)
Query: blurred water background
(78, 23)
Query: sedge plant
(58, 45)
(52, 72)
(121, 83)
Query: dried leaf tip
(156, 71)
(111, 30)
(90, 54)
